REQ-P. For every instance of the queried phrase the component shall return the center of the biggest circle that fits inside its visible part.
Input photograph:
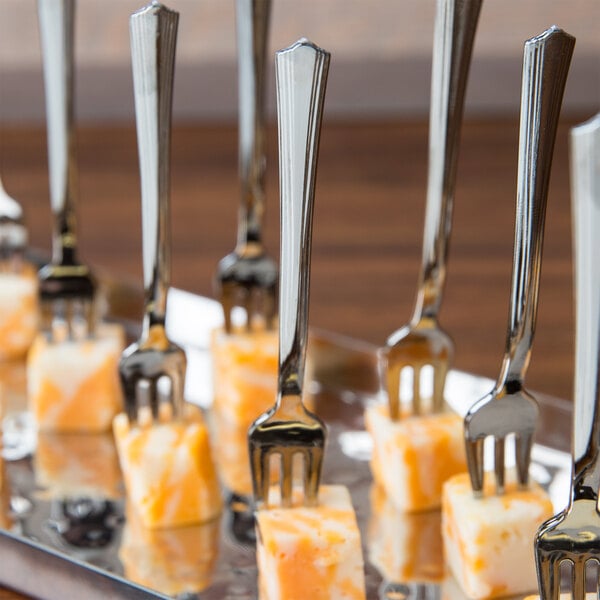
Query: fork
(67, 287)
(13, 234)
(509, 408)
(423, 342)
(574, 534)
(248, 276)
(152, 370)
(288, 428)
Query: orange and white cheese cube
(73, 385)
(488, 541)
(77, 464)
(168, 470)
(405, 547)
(415, 455)
(245, 385)
(310, 552)
(173, 561)
(18, 312)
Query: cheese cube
(245, 385)
(488, 541)
(77, 464)
(174, 561)
(310, 552)
(74, 385)
(168, 470)
(412, 457)
(404, 547)
(18, 312)
(14, 385)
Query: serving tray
(63, 541)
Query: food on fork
(488, 540)
(69, 465)
(173, 561)
(310, 552)
(404, 547)
(18, 312)
(414, 456)
(168, 470)
(73, 385)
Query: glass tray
(74, 538)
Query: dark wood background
(367, 232)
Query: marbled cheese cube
(245, 385)
(71, 465)
(74, 385)
(405, 547)
(415, 455)
(18, 312)
(310, 552)
(168, 470)
(174, 561)
(488, 541)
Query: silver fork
(152, 370)
(248, 276)
(67, 287)
(289, 429)
(574, 534)
(13, 233)
(509, 408)
(423, 342)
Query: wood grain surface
(367, 232)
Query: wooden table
(367, 233)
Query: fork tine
(499, 463)
(548, 576)
(439, 378)
(416, 397)
(287, 477)
(312, 470)
(474, 452)
(523, 444)
(578, 580)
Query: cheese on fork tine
(74, 385)
(414, 456)
(168, 470)
(18, 313)
(488, 541)
(311, 552)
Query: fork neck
(252, 21)
(429, 296)
(64, 239)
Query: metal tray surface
(81, 542)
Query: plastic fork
(423, 342)
(574, 534)
(152, 370)
(248, 276)
(67, 287)
(509, 408)
(289, 429)
(13, 234)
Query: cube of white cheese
(310, 552)
(488, 541)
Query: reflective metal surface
(509, 408)
(288, 429)
(574, 534)
(423, 343)
(152, 370)
(13, 233)
(67, 287)
(248, 276)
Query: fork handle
(252, 19)
(585, 183)
(546, 60)
(455, 27)
(301, 72)
(57, 25)
(153, 31)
